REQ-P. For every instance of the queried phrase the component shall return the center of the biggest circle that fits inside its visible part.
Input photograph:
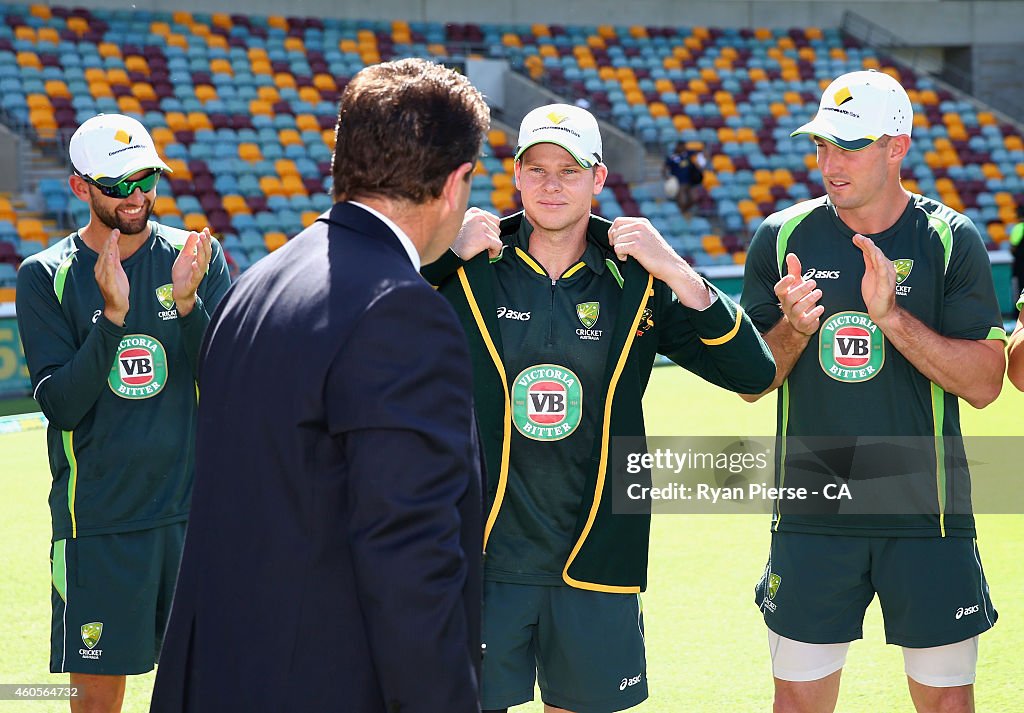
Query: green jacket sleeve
(441, 269)
(211, 291)
(719, 343)
(67, 378)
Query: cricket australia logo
(547, 402)
(771, 583)
(903, 268)
(140, 368)
(91, 634)
(165, 296)
(851, 347)
(588, 313)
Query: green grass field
(707, 649)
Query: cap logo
(842, 96)
(123, 136)
(556, 118)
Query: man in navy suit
(332, 561)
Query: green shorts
(111, 595)
(932, 590)
(586, 649)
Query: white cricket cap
(858, 108)
(573, 128)
(108, 147)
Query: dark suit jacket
(332, 561)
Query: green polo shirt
(854, 388)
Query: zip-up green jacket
(718, 344)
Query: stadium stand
(243, 109)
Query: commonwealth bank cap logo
(774, 581)
(165, 295)
(588, 313)
(123, 136)
(903, 267)
(91, 633)
(842, 96)
(556, 118)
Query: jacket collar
(346, 215)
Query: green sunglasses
(126, 188)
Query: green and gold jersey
(121, 401)
(555, 334)
(858, 401)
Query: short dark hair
(403, 127)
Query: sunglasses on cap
(125, 188)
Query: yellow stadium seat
(292, 185)
(739, 257)
(682, 122)
(260, 66)
(990, 170)
(538, 29)
(271, 186)
(100, 89)
(274, 240)
(249, 152)
(195, 221)
(658, 109)
(162, 136)
(78, 25)
(782, 177)
(606, 31)
(48, 34)
(176, 121)
(997, 231)
(222, 19)
(285, 167)
(634, 97)
(497, 137)
(117, 76)
(712, 245)
(709, 74)
(638, 31)
(328, 137)
(511, 39)
(135, 63)
(309, 217)
(198, 120)
(502, 199)
(986, 118)
(309, 94)
(257, 107)
(1013, 143)
(278, 21)
(289, 137)
(205, 93)
(324, 82)
(757, 74)
(38, 102)
(129, 105)
(29, 59)
(95, 74)
(235, 205)
(165, 205)
(722, 163)
(727, 135)
(25, 33)
(179, 168)
(177, 40)
(306, 122)
(30, 229)
(294, 44)
(221, 66)
(284, 80)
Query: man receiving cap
(879, 307)
(565, 312)
(111, 318)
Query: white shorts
(938, 666)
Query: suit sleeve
(208, 296)
(719, 343)
(399, 403)
(67, 379)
